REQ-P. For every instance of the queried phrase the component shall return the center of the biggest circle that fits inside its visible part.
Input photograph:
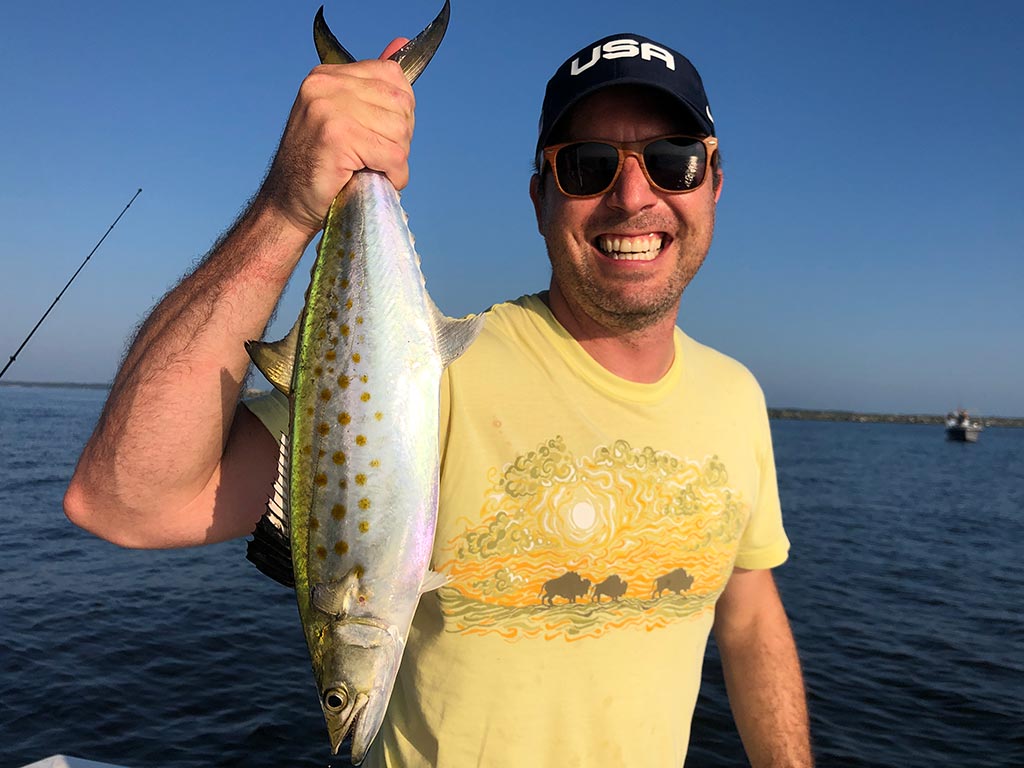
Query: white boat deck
(63, 761)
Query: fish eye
(336, 699)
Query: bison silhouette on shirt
(569, 585)
(677, 581)
(613, 587)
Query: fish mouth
(623, 247)
(339, 730)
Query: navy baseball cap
(624, 59)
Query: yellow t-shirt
(588, 525)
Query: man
(608, 486)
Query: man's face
(623, 258)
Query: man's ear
(536, 195)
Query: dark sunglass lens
(676, 164)
(586, 168)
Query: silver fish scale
(373, 404)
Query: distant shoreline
(801, 414)
(793, 414)
(54, 384)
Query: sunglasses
(672, 164)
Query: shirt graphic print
(574, 546)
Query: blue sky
(868, 250)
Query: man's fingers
(393, 46)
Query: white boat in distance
(961, 428)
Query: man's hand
(345, 118)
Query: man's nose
(631, 191)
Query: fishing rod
(15, 355)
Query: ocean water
(904, 588)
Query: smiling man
(608, 492)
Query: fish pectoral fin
(433, 580)
(336, 597)
(454, 335)
(270, 547)
(276, 359)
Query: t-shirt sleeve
(764, 543)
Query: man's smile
(630, 247)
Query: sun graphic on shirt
(616, 524)
(581, 520)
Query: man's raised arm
(175, 460)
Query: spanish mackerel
(355, 505)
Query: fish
(351, 522)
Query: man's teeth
(643, 248)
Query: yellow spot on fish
(330, 354)
(321, 552)
(344, 381)
(341, 547)
(307, 449)
(339, 457)
(344, 330)
(365, 397)
(348, 304)
(310, 411)
(360, 479)
(351, 254)
(359, 321)
(344, 282)
(323, 428)
(320, 479)
(318, 371)
(356, 358)
(375, 463)
(333, 314)
(321, 334)
(364, 526)
(321, 453)
(364, 378)
(344, 418)
(360, 440)
(314, 524)
(325, 394)
(338, 511)
(364, 504)
(378, 415)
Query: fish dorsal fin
(413, 57)
(327, 45)
(454, 335)
(276, 359)
(433, 580)
(337, 597)
(270, 547)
